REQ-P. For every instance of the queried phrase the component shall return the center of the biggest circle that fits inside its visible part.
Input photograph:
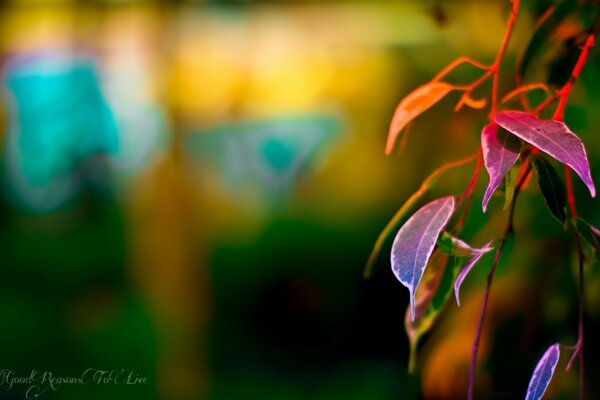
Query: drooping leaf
(412, 105)
(452, 245)
(432, 296)
(415, 241)
(500, 151)
(510, 182)
(552, 188)
(543, 373)
(427, 303)
(408, 204)
(456, 247)
(552, 137)
(543, 34)
(590, 234)
(476, 255)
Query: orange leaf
(414, 104)
(477, 104)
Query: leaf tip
(484, 203)
(456, 287)
(389, 146)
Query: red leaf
(500, 151)
(553, 138)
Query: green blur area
(217, 251)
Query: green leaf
(552, 188)
(435, 296)
(543, 34)
(590, 234)
(510, 181)
(445, 243)
(561, 66)
(455, 247)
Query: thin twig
(490, 277)
(580, 355)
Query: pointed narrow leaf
(454, 246)
(415, 241)
(412, 105)
(543, 373)
(510, 182)
(552, 188)
(426, 310)
(437, 298)
(427, 184)
(590, 234)
(500, 152)
(467, 268)
(553, 138)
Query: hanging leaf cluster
(426, 256)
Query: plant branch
(526, 88)
(564, 92)
(496, 66)
(456, 63)
(580, 258)
(578, 348)
(490, 277)
(469, 190)
(563, 95)
(544, 104)
(494, 70)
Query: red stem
(570, 193)
(495, 71)
(566, 89)
(496, 66)
(559, 114)
(473, 180)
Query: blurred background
(190, 191)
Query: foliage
(512, 144)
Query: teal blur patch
(269, 155)
(57, 121)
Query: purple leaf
(553, 138)
(500, 152)
(415, 241)
(477, 254)
(543, 373)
